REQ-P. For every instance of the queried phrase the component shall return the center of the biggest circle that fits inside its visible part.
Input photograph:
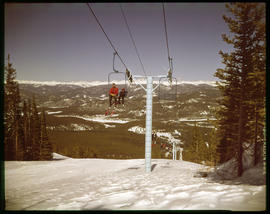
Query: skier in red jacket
(113, 94)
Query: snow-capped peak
(54, 83)
(97, 83)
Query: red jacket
(114, 91)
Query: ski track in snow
(100, 184)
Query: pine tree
(35, 131)
(236, 83)
(20, 143)
(257, 77)
(212, 156)
(12, 113)
(198, 148)
(28, 130)
(46, 146)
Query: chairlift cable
(165, 26)
(130, 34)
(169, 75)
(106, 35)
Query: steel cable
(106, 35)
(133, 41)
(165, 26)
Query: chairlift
(168, 86)
(117, 76)
(167, 89)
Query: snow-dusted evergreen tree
(212, 155)
(26, 129)
(240, 80)
(196, 151)
(257, 77)
(35, 131)
(12, 115)
(25, 134)
(45, 145)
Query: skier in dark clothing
(154, 137)
(122, 95)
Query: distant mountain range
(76, 110)
(96, 83)
(193, 98)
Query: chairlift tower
(149, 90)
(148, 121)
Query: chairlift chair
(116, 76)
(167, 89)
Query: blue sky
(63, 42)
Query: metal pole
(173, 151)
(148, 121)
(181, 157)
(148, 124)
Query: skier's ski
(109, 111)
(112, 112)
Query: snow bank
(59, 157)
(99, 184)
(254, 175)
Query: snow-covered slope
(87, 184)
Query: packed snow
(138, 113)
(165, 135)
(57, 106)
(109, 126)
(81, 127)
(204, 113)
(192, 100)
(137, 130)
(183, 119)
(98, 118)
(106, 184)
(54, 112)
(201, 125)
(168, 136)
(71, 127)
